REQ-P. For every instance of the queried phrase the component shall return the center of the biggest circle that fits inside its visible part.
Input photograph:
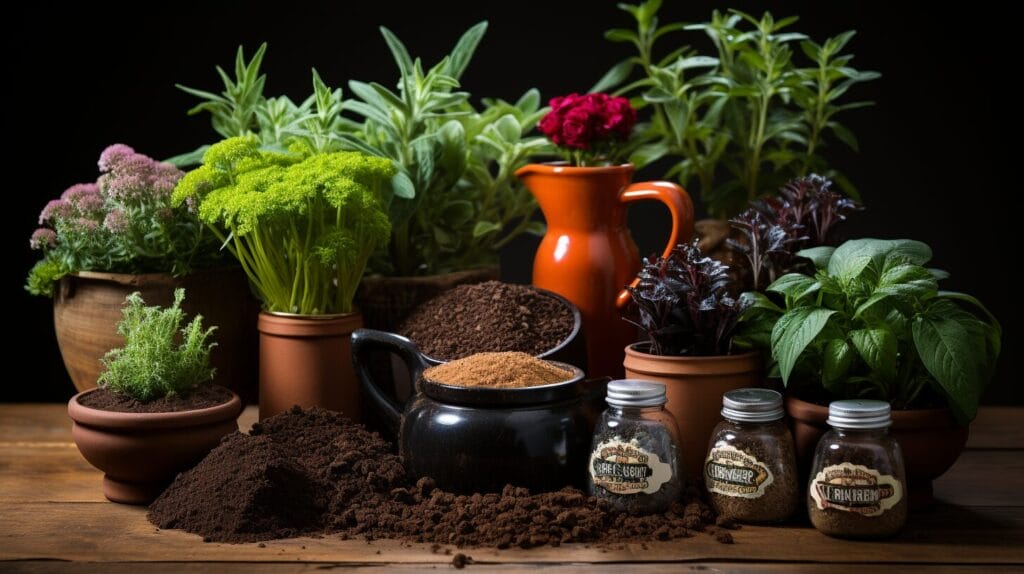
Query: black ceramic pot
(480, 439)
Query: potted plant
(101, 241)
(588, 255)
(303, 225)
(871, 322)
(156, 412)
(451, 213)
(682, 305)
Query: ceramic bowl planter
(694, 386)
(140, 453)
(930, 439)
(87, 306)
(306, 360)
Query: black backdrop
(79, 78)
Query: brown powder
(499, 371)
(313, 472)
(490, 316)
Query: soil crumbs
(314, 472)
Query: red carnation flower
(588, 122)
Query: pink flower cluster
(583, 122)
(131, 176)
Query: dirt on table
(200, 397)
(314, 472)
(489, 316)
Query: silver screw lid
(859, 414)
(635, 393)
(752, 405)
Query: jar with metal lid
(635, 459)
(750, 469)
(858, 483)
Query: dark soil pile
(490, 316)
(316, 472)
(201, 397)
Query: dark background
(930, 167)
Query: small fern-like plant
(159, 357)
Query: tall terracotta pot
(694, 387)
(306, 360)
(87, 307)
(587, 255)
(931, 441)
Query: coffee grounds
(499, 371)
(314, 472)
(200, 397)
(490, 316)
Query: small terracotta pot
(141, 453)
(930, 439)
(694, 386)
(306, 360)
(87, 307)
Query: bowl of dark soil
(142, 446)
(478, 423)
(489, 317)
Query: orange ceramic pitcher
(588, 255)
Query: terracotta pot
(587, 255)
(306, 360)
(930, 438)
(87, 308)
(694, 386)
(141, 453)
(386, 301)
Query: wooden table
(53, 517)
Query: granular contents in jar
(853, 499)
(490, 316)
(499, 371)
(753, 478)
(640, 447)
(314, 472)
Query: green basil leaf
(793, 332)
(953, 357)
(836, 363)
(795, 286)
(878, 349)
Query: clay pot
(694, 386)
(386, 301)
(478, 439)
(141, 453)
(930, 439)
(588, 255)
(87, 307)
(306, 360)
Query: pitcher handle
(679, 206)
(364, 341)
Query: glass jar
(634, 460)
(750, 470)
(858, 483)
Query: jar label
(625, 468)
(855, 488)
(732, 472)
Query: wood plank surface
(51, 509)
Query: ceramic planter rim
(903, 418)
(104, 419)
(300, 316)
(633, 349)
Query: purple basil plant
(122, 223)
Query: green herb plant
(453, 201)
(302, 224)
(741, 121)
(872, 323)
(160, 357)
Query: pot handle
(679, 206)
(364, 342)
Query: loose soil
(314, 472)
(498, 371)
(201, 397)
(490, 316)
